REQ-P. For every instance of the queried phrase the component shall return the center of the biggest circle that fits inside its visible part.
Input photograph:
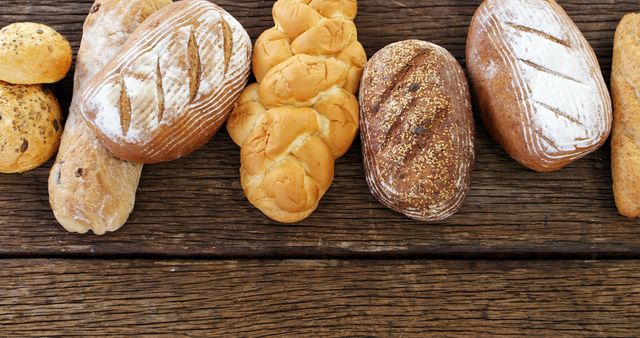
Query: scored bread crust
(625, 138)
(537, 83)
(302, 114)
(89, 188)
(173, 84)
(417, 130)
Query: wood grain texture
(195, 206)
(319, 298)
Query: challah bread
(537, 82)
(30, 127)
(625, 138)
(89, 188)
(33, 53)
(417, 130)
(172, 86)
(302, 114)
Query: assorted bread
(302, 114)
(155, 80)
(417, 130)
(89, 188)
(172, 85)
(625, 138)
(537, 83)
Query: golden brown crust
(625, 140)
(90, 189)
(30, 127)
(537, 83)
(302, 114)
(33, 53)
(417, 130)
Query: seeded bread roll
(30, 127)
(417, 130)
(625, 139)
(33, 53)
(537, 82)
(172, 86)
(89, 188)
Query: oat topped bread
(417, 130)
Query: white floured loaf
(173, 84)
(537, 82)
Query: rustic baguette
(302, 114)
(538, 84)
(173, 84)
(625, 140)
(90, 189)
(417, 130)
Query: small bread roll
(30, 127)
(32, 53)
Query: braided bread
(302, 114)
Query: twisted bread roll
(302, 114)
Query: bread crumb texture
(32, 53)
(30, 127)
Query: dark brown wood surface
(140, 280)
(195, 206)
(320, 298)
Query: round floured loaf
(537, 82)
(302, 114)
(172, 85)
(32, 53)
(30, 127)
(417, 130)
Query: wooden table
(529, 253)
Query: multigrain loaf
(537, 82)
(417, 130)
(32, 53)
(172, 86)
(89, 188)
(302, 114)
(30, 127)
(625, 139)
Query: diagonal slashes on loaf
(172, 86)
(302, 114)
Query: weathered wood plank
(319, 298)
(195, 206)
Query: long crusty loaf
(625, 140)
(303, 113)
(89, 189)
(417, 130)
(173, 84)
(537, 82)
